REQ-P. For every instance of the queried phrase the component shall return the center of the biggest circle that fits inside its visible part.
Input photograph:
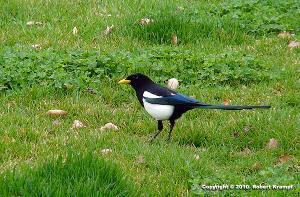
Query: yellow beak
(124, 81)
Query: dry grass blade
(284, 158)
(140, 159)
(106, 151)
(36, 46)
(108, 30)
(31, 23)
(226, 101)
(244, 152)
(146, 21)
(174, 40)
(284, 35)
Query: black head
(137, 80)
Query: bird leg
(172, 123)
(160, 127)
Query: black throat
(140, 88)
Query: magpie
(165, 104)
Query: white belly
(159, 112)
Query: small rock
(56, 113)
(294, 44)
(172, 83)
(106, 151)
(272, 144)
(109, 126)
(75, 31)
(77, 124)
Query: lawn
(226, 50)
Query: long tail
(232, 107)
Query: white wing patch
(159, 112)
(150, 95)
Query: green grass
(72, 174)
(225, 51)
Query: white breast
(159, 112)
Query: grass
(216, 59)
(73, 174)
